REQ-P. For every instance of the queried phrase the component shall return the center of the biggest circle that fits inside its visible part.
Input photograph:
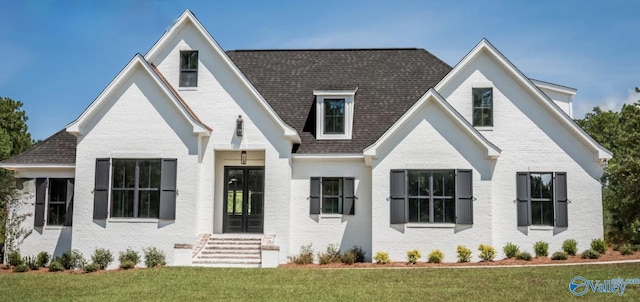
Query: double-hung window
(332, 195)
(431, 196)
(135, 188)
(54, 202)
(189, 68)
(334, 116)
(542, 198)
(482, 107)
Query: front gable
(485, 66)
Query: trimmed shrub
(590, 254)
(599, 245)
(102, 257)
(304, 257)
(21, 268)
(360, 254)
(524, 256)
(626, 250)
(43, 259)
(331, 255)
(154, 257)
(436, 256)
(381, 258)
(511, 250)
(413, 256)
(129, 259)
(55, 266)
(72, 259)
(559, 255)
(487, 252)
(570, 247)
(30, 262)
(14, 258)
(348, 257)
(541, 249)
(464, 253)
(90, 268)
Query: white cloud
(612, 102)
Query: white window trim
(348, 96)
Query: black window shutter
(464, 197)
(68, 219)
(522, 188)
(562, 217)
(314, 196)
(348, 192)
(101, 189)
(168, 189)
(398, 200)
(41, 194)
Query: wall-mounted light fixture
(243, 157)
(239, 125)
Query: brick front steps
(230, 250)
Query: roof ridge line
(324, 49)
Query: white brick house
(192, 147)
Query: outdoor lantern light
(243, 157)
(239, 125)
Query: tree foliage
(14, 139)
(620, 133)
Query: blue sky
(57, 56)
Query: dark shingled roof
(389, 82)
(59, 148)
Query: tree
(14, 139)
(620, 133)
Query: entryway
(243, 200)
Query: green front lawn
(306, 284)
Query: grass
(304, 284)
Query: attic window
(189, 68)
(334, 114)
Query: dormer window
(334, 114)
(189, 68)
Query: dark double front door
(243, 200)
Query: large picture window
(135, 188)
(431, 196)
(542, 198)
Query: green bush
(72, 259)
(599, 245)
(304, 257)
(570, 247)
(413, 256)
(590, 254)
(487, 252)
(361, 255)
(127, 264)
(348, 257)
(14, 258)
(559, 255)
(510, 250)
(382, 258)
(90, 268)
(541, 249)
(154, 257)
(128, 257)
(626, 250)
(102, 257)
(464, 253)
(21, 268)
(524, 256)
(43, 259)
(436, 256)
(331, 255)
(56, 266)
(30, 262)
